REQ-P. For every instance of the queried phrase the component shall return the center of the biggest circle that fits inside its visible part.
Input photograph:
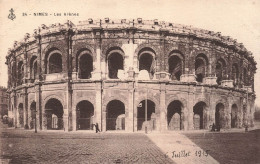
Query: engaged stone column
(130, 118)
(39, 112)
(186, 118)
(98, 109)
(65, 120)
(190, 110)
(25, 110)
(163, 120)
(74, 119)
(96, 74)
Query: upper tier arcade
(130, 50)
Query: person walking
(97, 128)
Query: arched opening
(33, 114)
(13, 75)
(235, 74)
(146, 63)
(85, 64)
(20, 111)
(20, 73)
(175, 116)
(200, 67)
(234, 116)
(220, 70)
(245, 76)
(33, 68)
(199, 115)
(54, 63)
(115, 63)
(85, 114)
(151, 117)
(219, 115)
(175, 66)
(54, 114)
(115, 118)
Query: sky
(235, 18)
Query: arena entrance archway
(115, 118)
(199, 115)
(219, 115)
(33, 114)
(21, 117)
(234, 116)
(175, 115)
(85, 114)
(151, 117)
(54, 114)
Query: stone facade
(3, 102)
(129, 75)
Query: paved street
(22, 146)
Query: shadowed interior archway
(219, 115)
(54, 114)
(220, 70)
(85, 66)
(234, 116)
(115, 117)
(199, 120)
(21, 117)
(151, 118)
(175, 115)
(115, 63)
(175, 66)
(53, 62)
(85, 114)
(33, 114)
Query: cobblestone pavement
(227, 147)
(21, 146)
(230, 147)
(181, 149)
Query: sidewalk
(181, 149)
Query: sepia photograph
(148, 81)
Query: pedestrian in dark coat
(97, 128)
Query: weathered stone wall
(131, 39)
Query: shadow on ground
(231, 147)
